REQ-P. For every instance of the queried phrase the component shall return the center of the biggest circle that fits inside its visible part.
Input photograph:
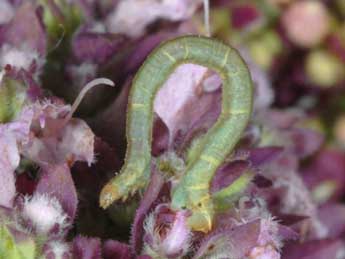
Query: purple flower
(87, 248)
(132, 17)
(12, 135)
(175, 102)
(23, 40)
(9, 160)
(57, 249)
(6, 11)
(42, 213)
(167, 234)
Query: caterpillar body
(193, 190)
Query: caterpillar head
(201, 209)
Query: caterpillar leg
(123, 185)
(196, 199)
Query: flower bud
(306, 23)
(43, 214)
(167, 233)
(324, 69)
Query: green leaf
(9, 249)
(12, 97)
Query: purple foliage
(147, 203)
(318, 249)
(306, 141)
(332, 215)
(23, 40)
(244, 15)
(96, 48)
(26, 26)
(327, 167)
(227, 174)
(260, 156)
(114, 249)
(86, 248)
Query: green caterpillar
(193, 190)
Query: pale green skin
(193, 190)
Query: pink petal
(131, 17)
(175, 101)
(177, 241)
(57, 182)
(77, 142)
(228, 173)
(333, 216)
(151, 194)
(9, 160)
(318, 249)
(27, 26)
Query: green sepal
(9, 249)
(170, 164)
(69, 18)
(12, 98)
(265, 47)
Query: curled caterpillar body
(193, 191)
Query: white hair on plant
(80, 73)
(149, 228)
(259, 210)
(44, 212)
(176, 241)
(297, 199)
(47, 108)
(269, 232)
(98, 27)
(264, 252)
(18, 57)
(58, 249)
(340, 253)
(220, 246)
(179, 236)
(77, 142)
